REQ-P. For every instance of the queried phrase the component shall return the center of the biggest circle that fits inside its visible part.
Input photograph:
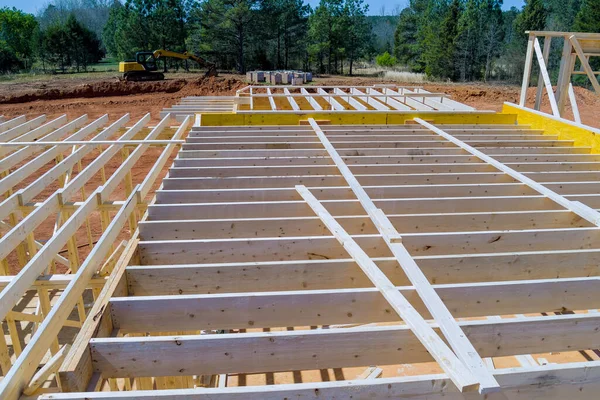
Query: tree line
(245, 34)
(236, 34)
(464, 40)
(457, 40)
(61, 37)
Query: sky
(375, 6)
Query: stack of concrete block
(279, 77)
(275, 78)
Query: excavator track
(141, 76)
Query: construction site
(335, 239)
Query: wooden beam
(48, 369)
(350, 99)
(585, 64)
(335, 105)
(324, 274)
(21, 155)
(271, 100)
(76, 371)
(567, 63)
(346, 306)
(540, 85)
(314, 103)
(576, 381)
(464, 350)
(415, 152)
(286, 209)
(583, 211)
(291, 100)
(369, 100)
(301, 247)
(384, 98)
(160, 163)
(19, 375)
(166, 196)
(330, 348)
(24, 127)
(6, 125)
(574, 106)
(527, 70)
(546, 77)
(357, 224)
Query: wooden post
(527, 70)
(540, 85)
(546, 78)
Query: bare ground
(96, 95)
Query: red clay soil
(94, 96)
(110, 97)
(489, 96)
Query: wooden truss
(271, 251)
(576, 46)
(308, 99)
(76, 180)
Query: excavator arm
(212, 70)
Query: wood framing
(304, 242)
(233, 264)
(64, 159)
(303, 99)
(577, 47)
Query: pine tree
(468, 41)
(533, 18)
(588, 17)
(561, 14)
(492, 34)
(356, 30)
(405, 38)
(448, 35)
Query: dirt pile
(193, 87)
(585, 98)
(212, 86)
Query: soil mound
(211, 86)
(197, 87)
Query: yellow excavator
(144, 68)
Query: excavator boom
(144, 67)
(212, 70)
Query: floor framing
(239, 264)
(439, 254)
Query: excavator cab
(147, 60)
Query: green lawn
(105, 65)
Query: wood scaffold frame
(40, 157)
(274, 254)
(576, 46)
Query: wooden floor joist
(229, 245)
(294, 257)
(44, 184)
